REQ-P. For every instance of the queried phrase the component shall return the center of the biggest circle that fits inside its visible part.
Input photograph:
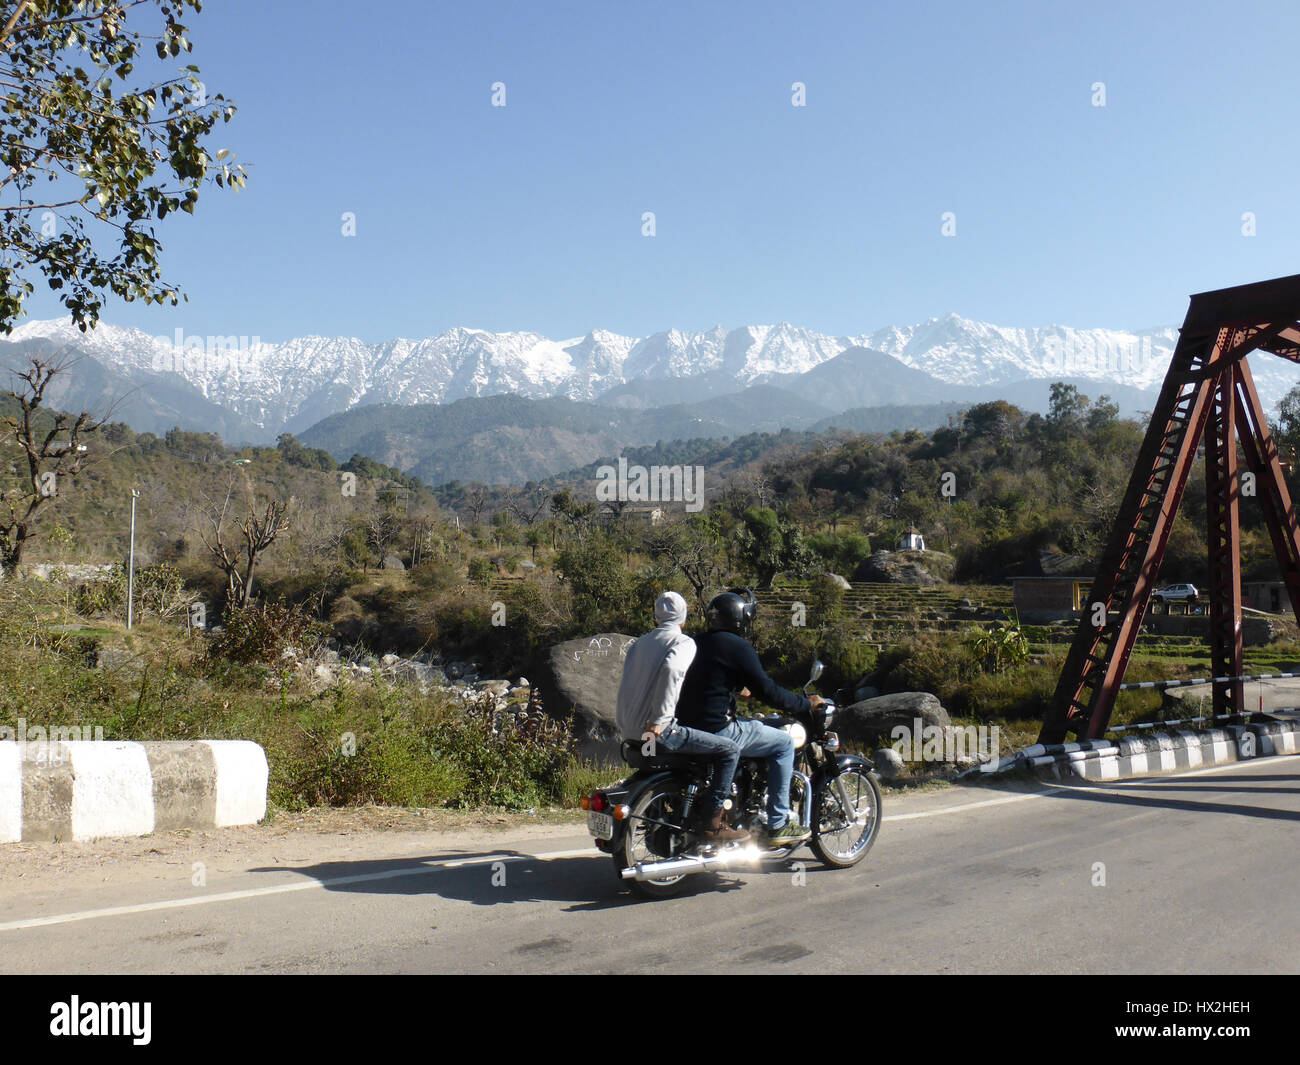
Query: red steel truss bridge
(1208, 395)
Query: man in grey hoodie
(647, 706)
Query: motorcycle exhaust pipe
(714, 863)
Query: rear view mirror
(817, 668)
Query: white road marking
(458, 863)
(966, 806)
(277, 889)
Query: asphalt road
(1199, 876)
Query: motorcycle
(644, 821)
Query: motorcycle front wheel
(837, 840)
(644, 842)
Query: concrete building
(911, 541)
(1269, 596)
(1043, 599)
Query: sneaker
(788, 834)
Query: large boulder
(583, 677)
(872, 720)
(923, 568)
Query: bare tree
(528, 507)
(692, 547)
(476, 499)
(53, 452)
(258, 529)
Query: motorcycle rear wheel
(835, 841)
(646, 843)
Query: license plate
(600, 825)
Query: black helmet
(732, 611)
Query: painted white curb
(90, 789)
(241, 782)
(1156, 753)
(11, 793)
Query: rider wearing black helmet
(725, 665)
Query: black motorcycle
(644, 821)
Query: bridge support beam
(1208, 394)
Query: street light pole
(130, 570)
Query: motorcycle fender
(849, 761)
(626, 793)
(642, 779)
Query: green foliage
(599, 584)
(1002, 646)
(99, 128)
(436, 576)
(159, 591)
(310, 458)
(842, 553)
(259, 633)
(481, 571)
(769, 544)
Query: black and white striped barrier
(1154, 754)
(1187, 682)
(87, 789)
(1148, 725)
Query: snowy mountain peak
(290, 385)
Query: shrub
(481, 571)
(159, 590)
(436, 576)
(259, 634)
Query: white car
(1176, 593)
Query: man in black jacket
(726, 664)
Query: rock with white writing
(582, 678)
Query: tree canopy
(100, 137)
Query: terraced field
(881, 614)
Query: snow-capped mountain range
(289, 386)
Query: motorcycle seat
(661, 760)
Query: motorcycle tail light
(597, 802)
(622, 813)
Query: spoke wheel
(644, 842)
(837, 840)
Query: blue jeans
(723, 755)
(756, 740)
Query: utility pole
(130, 569)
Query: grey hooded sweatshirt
(653, 671)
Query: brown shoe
(721, 832)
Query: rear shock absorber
(688, 800)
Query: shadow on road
(1155, 793)
(492, 878)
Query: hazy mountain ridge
(292, 385)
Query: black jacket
(723, 662)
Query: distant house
(911, 541)
(1051, 587)
(1269, 596)
(652, 515)
(1041, 599)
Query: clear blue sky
(529, 217)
